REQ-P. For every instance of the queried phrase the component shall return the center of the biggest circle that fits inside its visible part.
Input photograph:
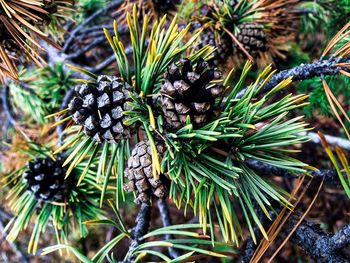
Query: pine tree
(162, 125)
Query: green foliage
(192, 243)
(87, 7)
(26, 101)
(340, 164)
(318, 99)
(325, 16)
(40, 91)
(339, 13)
(186, 11)
(151, 59)
(315, 15)
(206, 166)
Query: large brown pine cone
(139, 173)
(188, 91)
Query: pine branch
(99, 12)
(7, 106)
(164, 213)
(95, 42)
(105, 63)
(250, 246)
(332, 140)
(142, 225)
(307, 71)
(330, 175)
(341, 239)
(5, 127)
(323, 67)
(94, 31)
(317, 244)
(67, 98)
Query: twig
(88, 20)
(103, 64)
(307, 71)
(332, 140)
(5, 127)
(341, 239)
(142, 225)
(80, 52)
(250, 245)
(94, 36)
(164, 213)
(96, 28)
(106, 62)
(330, 175)
(67, 98)
(15, 247)
(7, 106)
(304, 71)
(93, 29)
(318, 245)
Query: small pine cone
(188, 91)
(139, 173)
(45, 179)
(223, 48)
(99, 108)
(253, 38)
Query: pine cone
(223, 48)
(186, 92)
(99, 108)
(45, 179)
(139, 173)
(253, 39)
